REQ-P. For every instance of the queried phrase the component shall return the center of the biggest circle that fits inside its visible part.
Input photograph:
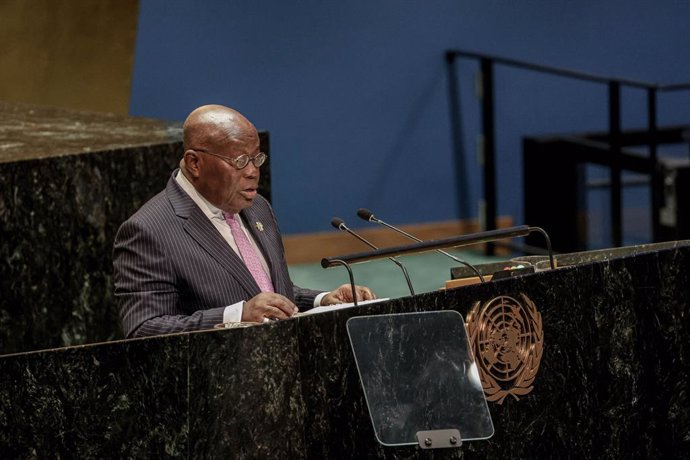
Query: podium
(613, 378)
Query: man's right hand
(267, 305)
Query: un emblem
(507, 341)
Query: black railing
(488, 126)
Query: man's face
(227, 187)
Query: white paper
(340, 306)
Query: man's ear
(191, 162)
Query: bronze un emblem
(507, 341)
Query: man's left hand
(343, 294)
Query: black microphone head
(365, 214)
(338, 223)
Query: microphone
(369, 217)
(339, 223)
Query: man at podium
(207, 249)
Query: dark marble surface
(613, 381)
(68, 179)
(29, 132)
(121, 401)
(246, 371)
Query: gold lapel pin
(260, 226)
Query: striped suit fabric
(174, 272)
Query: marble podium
(614, 378)
(68, 179)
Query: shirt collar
(211, 211)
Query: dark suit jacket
(174, 272)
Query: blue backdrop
(354, 92)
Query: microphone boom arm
(440, 251)
(457, 241)
(340, 225)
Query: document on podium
(340, 306)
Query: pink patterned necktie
(251, 259)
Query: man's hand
(344, 294)
(267, 305)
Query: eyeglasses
(241, 161)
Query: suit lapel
(201, 230)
